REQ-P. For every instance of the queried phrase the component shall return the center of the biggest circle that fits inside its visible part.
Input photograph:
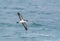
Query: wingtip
(26, 29)
(18, 13)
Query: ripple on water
(9, 25)
(36, 25)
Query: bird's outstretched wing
(25, 26)
(20, 16)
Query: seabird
(23, 21)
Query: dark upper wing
(25, 26)
(20, 16)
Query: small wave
(18, 8)
(43, 12)
(33, 11)
(8, 25)
(36, 24)
(6, 36)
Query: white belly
(22, 21)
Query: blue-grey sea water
(43, 20)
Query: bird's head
(17, 22)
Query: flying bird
(22, 21)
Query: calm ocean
(43, 20)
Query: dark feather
(25, 26)
(20, 16)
